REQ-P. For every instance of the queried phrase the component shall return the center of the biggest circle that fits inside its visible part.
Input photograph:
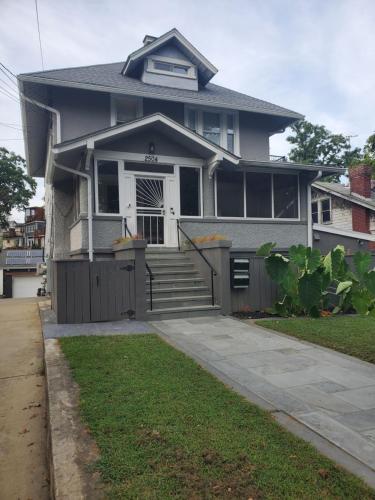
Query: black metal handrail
(127, 230)
(212, 269)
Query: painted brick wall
(360, 219)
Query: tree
(16, 187)
(315, 144)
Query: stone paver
(329, 392)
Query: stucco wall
(250, 234)
(105, 230)
(63, 196)
(82, 111)
(254, 138)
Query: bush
(306, 278)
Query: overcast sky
(316, 57)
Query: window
(258, 195)
(267, 196)
(315, 212)
(190, 197)
(108, 192)
(219, 127)
(125, 109)
(230, 195)
(321, 211)
(172, 68)
(211, 127)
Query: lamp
(151, 148)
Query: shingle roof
(344, 192)
(108, 77)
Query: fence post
(135, 250)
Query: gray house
(148, 144)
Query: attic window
(171, 66)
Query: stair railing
(212, 269)
(127, 231)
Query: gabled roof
(337, 189)
(206, 70)
(108, 78)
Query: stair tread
(183, 289)
(181, 299)
(185, 309)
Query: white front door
(150, 209)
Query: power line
(40, 40)
(11, 139)
(7, 84)
(10, 126)
(6, 74)
(7, 69)
(10, 96)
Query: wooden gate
(84, 292)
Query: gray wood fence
(84, 291)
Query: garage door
(26, 286)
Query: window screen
(230, 194)
(258, 195)
(285, 188)
(108, 194)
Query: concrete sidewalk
(329, 393)
(23, 462)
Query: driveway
(328, 392)
(23, 465)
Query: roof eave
(348, 197)
(296, 166)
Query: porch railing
(278, 158)
(212, 269)
(151, 276)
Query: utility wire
(7, 84)
(10, 96)
(7, 69)
(40, 40)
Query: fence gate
(84, 291)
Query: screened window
(258, 195)
(230, 194)
(326, 210)
(108, 192)
(315, 212)
(190, 191)
(285, 192)
(211, 127)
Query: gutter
(89, 197)
(309, 210)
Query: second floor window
(125, 109)
(219, 127)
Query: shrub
(125, 239)
(305, 280)
(209, 237)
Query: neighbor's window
(211, 127)
(258, 195)
(285, 194)
(190, 204)
(127, 109)
(108, 192)
(326, 210)
(230, 194)
(315, 212)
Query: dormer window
(170, 66)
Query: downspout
(47, 108)
(309, 210)
(89, 200)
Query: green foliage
(367, 156)
(16, 187)
(306, 278)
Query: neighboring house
(151, 141)
(13, 236)
(345, 214)
(34, 227)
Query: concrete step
(169, 267)
(160, 283)
(179, 302)
(191, 291)
(162, 259)
(174, 274)
(183, 312)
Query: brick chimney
(360, 180)
(360, 184)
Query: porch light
(151, 148)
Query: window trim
(273, 218)
(96, 183)
(223, 124)
(150, 66)
(113, 108)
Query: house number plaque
(151, 159)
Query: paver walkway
(331, 393)
(23, 466)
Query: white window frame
(113, 108)
(319, 200)
(97, 212)
(200, 194)
(150, 66)
(223, 124)
(273, 218)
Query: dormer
(170, 61)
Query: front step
(178, 289)
(183, 312)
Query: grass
(354, 335)
(168, 429)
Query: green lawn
(168, 429)
(354, 335)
